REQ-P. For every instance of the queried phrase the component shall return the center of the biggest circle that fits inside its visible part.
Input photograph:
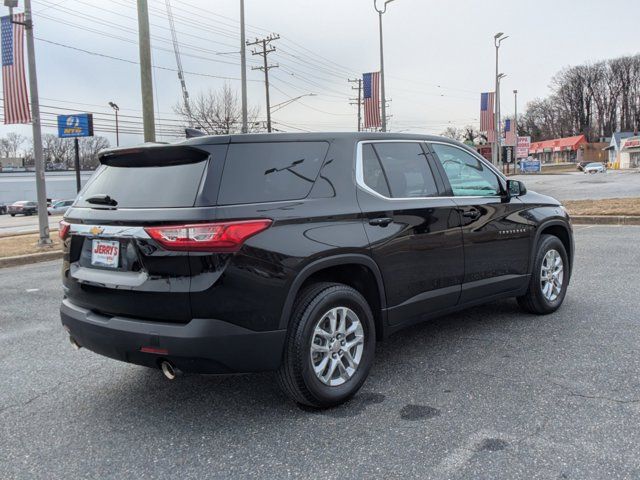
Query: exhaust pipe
(74, 343)
(168, 370)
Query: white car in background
(59, 207)
(594, 167)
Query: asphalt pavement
(580, 186)
(487, 393)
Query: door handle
(380, 222)
(473, 214)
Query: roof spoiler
(152, 155)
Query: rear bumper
(200, 346)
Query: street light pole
(515, 129)
(116, 109)
(383, 98)
(497, 38)
(498, 119)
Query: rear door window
(146, 187)
(406, 169)
(270, 172)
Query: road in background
(581, 186)
(22, 185)
(24, 224)
(487, 393)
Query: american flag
(487, 102)
(371, 86)
(14, 83)
(509, 132)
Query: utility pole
(382, 89)
(146, 77)
(243, 69)
(41, 189)
(266, 50)
(357, 101)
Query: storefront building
(615, 147)
(630, 153)
(558, 150)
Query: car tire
(544, 295)
(297, 375)
(13, 214)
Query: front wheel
(549, 278)
(330, 346)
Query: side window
(407, 170)
(467, 175)
(374, 177)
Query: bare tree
(57, 150)
(453, 133)
(218, 112)
(89, 148)
(10, 145)
(592, 99)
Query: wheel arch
(558, 228)
(356, 270)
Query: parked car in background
(594, 167)
(581, 165)
(59, 207)
(3, 209)
(297, 252)
(23, 207)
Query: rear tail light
(63, 230)
(207, 237)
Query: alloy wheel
(337, 346)
(551, 275)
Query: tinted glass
(467, 175)
(146, 187)
(406, 169)
(270, 172)
(372, 171)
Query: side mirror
(516, 188)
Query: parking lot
(487, 393)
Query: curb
(30, 258)
(605, 220)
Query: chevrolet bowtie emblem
(96, 230)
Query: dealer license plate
(105, 253)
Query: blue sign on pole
(77, 125)
(530, 166)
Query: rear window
(146, 187)
(270, 172)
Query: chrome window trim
(362, 185)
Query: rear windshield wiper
(101, 199)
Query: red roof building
(558, 150)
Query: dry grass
(609, 206)
(25, 244)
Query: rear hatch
(112, 265)
(153, 231)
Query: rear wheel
(549, 278)
(330, 346)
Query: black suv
(295, 253)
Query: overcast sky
(439, 56)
